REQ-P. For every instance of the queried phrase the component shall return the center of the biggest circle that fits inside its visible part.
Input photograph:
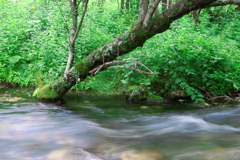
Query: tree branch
(97, 69)
(212, 98)
(224, 2)
(143, 10)
(135, 69)
(81, 21)
(223, 96)
(79, 3)
(150, 12)
(166, 4)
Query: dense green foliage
(200, 59)
(34, 38)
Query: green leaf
(14, 59)
(193, 96)
(199, 100)
(235, 86)
(189, 92)
(131, 88)
(178, 80)
(124, 81)
(145, 83)
(200, 95)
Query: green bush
(34, 38)
(32, 41)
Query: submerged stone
(178, 94)
(136, 95)
(141, 155)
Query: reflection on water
(91, 127)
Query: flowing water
(95, 127)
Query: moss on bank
(154, 98)
(46, 92)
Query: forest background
(202, 60)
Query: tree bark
(75, 30)
(121, 45)
(164, 5)
(195, 16)
(143, 10)
(71, 47)
(122, 6)
(224, 2)
(127, 5)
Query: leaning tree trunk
(147, 27)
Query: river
(97, 127)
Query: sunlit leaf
(14, 59)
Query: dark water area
(103, 127)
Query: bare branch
(223, 96)
(79, 3)
(74, 2)
(143, 9)
(81, 21)
(135, 69)
(195, 16)
(150, 12)
(106, 65)
(166, 4)
(75, 30)
(212, 98)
